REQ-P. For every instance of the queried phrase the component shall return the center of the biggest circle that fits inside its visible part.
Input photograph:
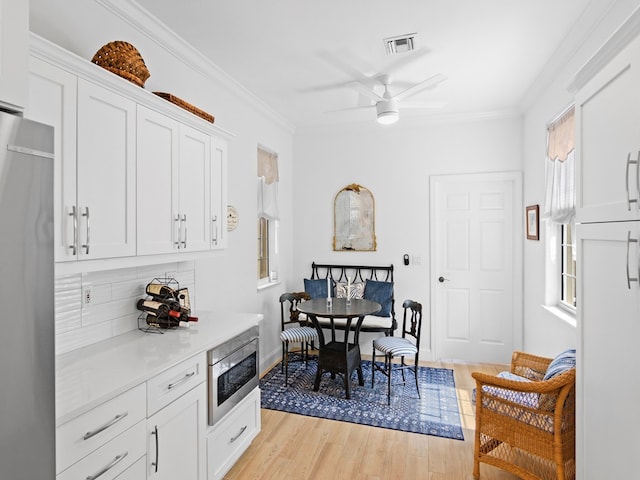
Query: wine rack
(161, 297)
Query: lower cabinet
(135, 471)
(231, 436)
(174, 434)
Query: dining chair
(403, 346)
(294, 330)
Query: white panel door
(157, 179)
(608, 328)
(106, 173)
(476, 263)
(52, 100)
(195, 164)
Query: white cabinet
(218, 194)
(232, 435)
(176, 438)
(94, 192)
(52, 100)
(608, 141)
(609, 328)
(174, 163)
(106, 172)
(14, 49)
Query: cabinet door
(157, 180)
(608, 331)
(195, 158)
(14, 53)
(218, 194)
(52, 100)
(106, 173)
(608, 141)
(176, 447)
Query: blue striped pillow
(563, 362)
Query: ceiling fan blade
(347, 109)
(424, 105)
(366, 91)
(428, 83)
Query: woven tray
(186, 105)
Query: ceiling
(299, 56)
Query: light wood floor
(296, 447)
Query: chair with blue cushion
(408, 344)
(294, 330)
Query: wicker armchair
(526, 427)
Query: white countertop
(94, 374)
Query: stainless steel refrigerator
(27, 356)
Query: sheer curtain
(268, 185)
(560, 195)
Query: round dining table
(335, 355)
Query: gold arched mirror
(354, 220)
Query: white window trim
(553, 268)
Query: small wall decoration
(232, 218)
(533, 223)
(354, 220)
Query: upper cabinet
(608, 141)
(134, 174)
(14, 53)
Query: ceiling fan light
(387, 112)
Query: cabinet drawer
(228, 440)
(137, 471)
(85, 433)
(111, 459)
(165, 387)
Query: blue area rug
(435, 412)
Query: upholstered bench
(365, 281)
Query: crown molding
(140, 19)
(614, 44)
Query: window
(559, 211)
(568, 268)
(268, 216)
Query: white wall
(395, 163)
(545, 333)
(227, 281)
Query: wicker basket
(186, 105)
(124, 60)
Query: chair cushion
(395, 346)
(298, 334)
(381, 292)
(561, 363)
(317, 288)
(357, 290)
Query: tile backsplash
(95, 306)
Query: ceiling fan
(387, 105)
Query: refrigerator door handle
(629, 278)
(86, 245)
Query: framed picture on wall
(533, 222)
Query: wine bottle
(159, 290)
(158, 309)
(161, 322)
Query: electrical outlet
(87, 296)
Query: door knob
(442, 279)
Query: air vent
(401, 43)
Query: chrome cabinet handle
(108, 467)
(183, 379)
(626, 180)
(629, 242)
(176, 220)
(233, 439)
(86, 245)
(102, 428)
(214, 224)
(74, 215)
(155, 432)
(184, 241)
